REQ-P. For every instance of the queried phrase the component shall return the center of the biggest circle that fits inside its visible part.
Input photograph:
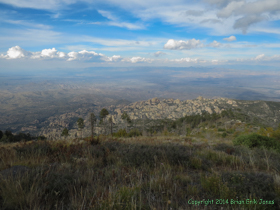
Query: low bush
(225, 148)
(56, 185)
(256, 140)
(230, 131)
(131, 133)
(120, 133)
(34, 148)
(9, 137)
(42, 186)
(139, 155)
(254, 185)
(134, 132)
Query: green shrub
(256, 140)
(44, 186)
(42, 138)
(247, 185)
(213, 186)
(165, 132)
(34, 148)
(177, 155)
(126, 198)
(224, 134)
(225, 148)
(134, 132)
(4, 139)
(236, 134)
(150, 155)
(230, 131)
(56, 185)
(195, 163)
(54, 153)
(120, 133)
(221, 129)
(188, 131)
(140, 155)
(9, 137)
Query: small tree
(92, 119)
(9, 135)
(81, 125)
(144, 133)
(65, 133)
(103, 113)
(111, 123)
(127, 119)
(4, 139)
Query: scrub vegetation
(206, 164)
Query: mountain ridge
(267, 112)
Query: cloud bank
(84, 55)
(53, 54)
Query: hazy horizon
(179, 49)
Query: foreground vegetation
(214, 165)
(139, 173)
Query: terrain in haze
(28, 100)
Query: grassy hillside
(157, 172)
(196, 162)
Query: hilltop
(148, 112)
(63, 110)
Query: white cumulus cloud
(115, 58)
(137, 59)
(16, 52)
(61, 54)
(188, 60)
(215, 44)
(52, 53)
(182, 45)
(230, 39)
(85, 55)
(259, 57)
(48, 54)
(140, 59)
(159, 53)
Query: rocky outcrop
(169, 108)
(153, 109)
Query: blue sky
(85, 33)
